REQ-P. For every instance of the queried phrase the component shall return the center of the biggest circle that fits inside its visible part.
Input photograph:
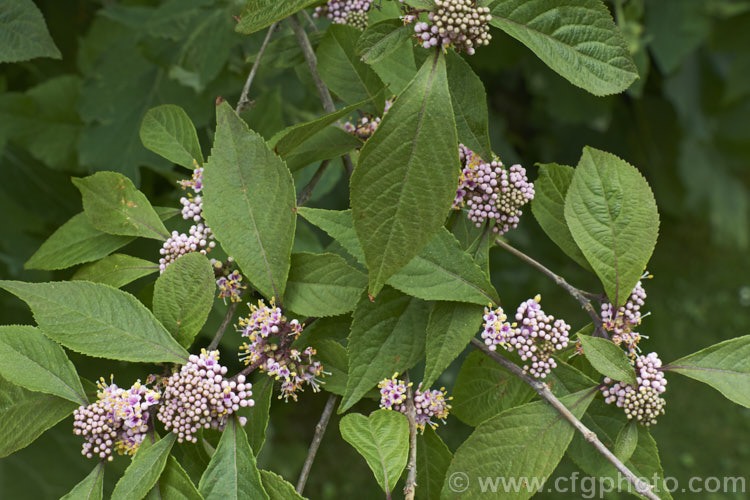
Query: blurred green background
(684, 124)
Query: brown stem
(640, 486)
(411, 414)
(307, 191)
(320, 429)
(224, 324)
(246, 89)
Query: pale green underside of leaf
(627, 441)
(184, 296)
(406, 176)
(249, 203)
(167, 131)
(523, 442)
(608, 359)
(277, 488)
(144, 470)
(259, 14)
(98, 320)
(612, 215)
(116, 270)
(36, 363)
(387, 336)
(90, 488)
(23, 33)
(576, 38)
(382, 439)
(433, 459)
(724, 366)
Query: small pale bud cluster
(367, 124)
(352, 12)
(117, 421)
(491, 191)
(270, 336)
(199, 237)
(623, 322)
(642, 402)
(198, 396)
(460, 24)
(427, 405)
(228, 281)
(535, 335)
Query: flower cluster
(625, 319)
(642, 402)
(198, 396)
(367, 124)
(535, 335)
(228, 281)
(118, 420)
(460, 24)
(353, 12)
(199, 237)
(270, 336)
(427, 404)
(491, 191)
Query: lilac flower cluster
(228, 281)
(367, 124)
(198, 396)
(642, 402)
(269, 349)
(535, 335)
(427, 404)
(353, 12)
(491, 191)
(627, 317)
(460, 24)
(118, 420)
(200, 236)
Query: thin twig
(411, 414)
(310, 21)
(307, 191)
(246, 89)
(640, 486)
(579, 295)
(320, 429)
(224, 324)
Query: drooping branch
(246, 89)
(320, 429)
(411, 414)
(590, 436)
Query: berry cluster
(460, 24)
(269, 349)
(491, 191)
(367, 124)
(118, 420)
(353, 12)
(642, 402)
(427, 404)
(627, 317)
(198, 396)
(535, 335)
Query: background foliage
(683, 123)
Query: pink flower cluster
(366, 125)
(428, 404)
(625, 319)
(460, 24)
(642, 402)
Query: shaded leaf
(116, 270)
(433, 459)
(167, 131)
(23, 33)
(469, 102)
(277, 488)
(381, 39)
(259, 14)
(175, 484)
(608, 359)
(144, 470)
(627, 441)
(90, 488)
(258, 415)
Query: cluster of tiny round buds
(196, 181)
(625, 319)
(428, 404)
(198, 396)
(192, 208)
(460, 24)
(179, 244)
(365, 126)
(497, 331)
(352, 12)
(642, 402)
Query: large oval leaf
(608, 359)
(167, 131)
(23, 33)
(116, 270)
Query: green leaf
(113, 205)
(144, 470)
(25, 415)
(91, 488)
(548, 207)
(676, 29)
(343, 71)
(433, 459)
(451, 327)
(259, 14)
(116, 270)
(184, 296)
(168, 131)
(175, 484)
(339, 226)
(469, 102)
(608, 359)
(724, 366)
(485, 388)
(322, 285)
(398, 68)
(525, 442)
(382, 439)
(329, 143)
(34, 362)
(335, 360)
(576, 38)
(231, 474)
(381, 39)
(405, 180)
(387, 336)
(277, 488)
(611, 213)
(97, 320)
(249, 203)
(627, 441)
(258, 415)
(23, 34)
